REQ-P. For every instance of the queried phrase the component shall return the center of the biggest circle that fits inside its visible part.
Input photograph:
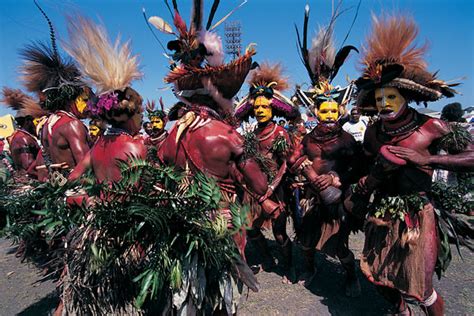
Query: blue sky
(447, 25)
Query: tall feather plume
(162, 104)
(51, 29)
(196, 15)
(266, 74)
(43, 69)
(108, 66)
(21, 102)
(322, 53)
(150, 105)
(393, 41)
(214, 7)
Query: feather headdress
(198, 71)
(152, 111)
(322, 61)
(44, 71)
(392, 58)
(267, 81)
(22, 103)
(109, 67)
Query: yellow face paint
(37, 120)
(262, 109)
(156, 122)
(328, 112)
(81, 102)
(94, 130)
(389, 102)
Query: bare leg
(259, 241)
(395, 298)
(279, 231)
(309, 270)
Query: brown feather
(267, 73)
(21, 102)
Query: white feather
(160, 24)
(213, 44)
(322, 49)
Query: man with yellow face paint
(158, 134)
(23, 144)
(97, 128)
(326, 160)
(401, 152)
(271, 143)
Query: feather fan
(109, 66)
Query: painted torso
(332, 154)
(64, 138)
(407, 179)
(109, 149)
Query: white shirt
(357, 130)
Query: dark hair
(453, 112)
(145, 124)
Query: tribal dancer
(327, 158)
(402, 239)
(56, 81)
(118, 104)
(204, 138)
(97, 128)
(158, 133)
(23, 144)
(272, 144)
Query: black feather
(214, 7)
(340, 58)
(51, 29)
(196, 19)
(175, 6)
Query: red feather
(180, 24)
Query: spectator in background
(356, 126)
(453, 112)
(282, 123)
(148, 128)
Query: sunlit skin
(157, 123)
(389, 102)
(262, 109)
(328, 112)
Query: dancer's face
(328, 112)
(389, 102)
(157, 123)
(94, 130)
(262, 109)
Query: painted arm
(81, 168)
(23, 150)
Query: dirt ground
(22, 293)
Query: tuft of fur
(267, 73)
(43, 69)
(213, 43)
(21, 102)
(108, 66)
(322, 53)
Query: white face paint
(390, 103)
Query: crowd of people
(131, 189)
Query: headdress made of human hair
(322, 61)
(391, 57)
(110, 67)
(152, 111)
(23, 104)
(198, 56)
(45, 71)
(267, 80)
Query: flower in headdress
(106, 102)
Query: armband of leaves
(456, 140)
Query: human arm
(81, 168)
(76, 136)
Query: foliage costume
(402, 236)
